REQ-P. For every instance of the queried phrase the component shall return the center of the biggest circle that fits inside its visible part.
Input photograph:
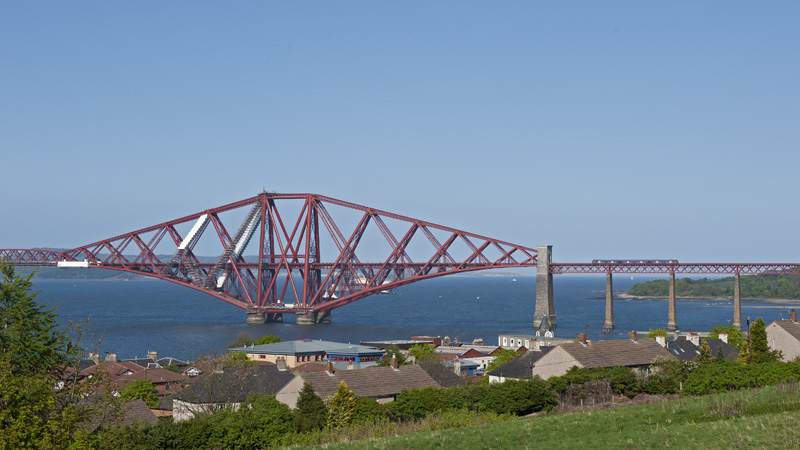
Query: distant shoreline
(774, 301)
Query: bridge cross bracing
(302, 254)
(293, 253)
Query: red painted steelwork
(23, 257)
(694, 268)
(287, 275)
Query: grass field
(765, 418)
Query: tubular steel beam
(287, 273)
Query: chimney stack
(152, 355)
(111, 357)
(95, 357)
(723, 337)
(329, 367)
(219, 367)
(281, 363)
(662, 340)
(634, 338)
(793, 316)
(694, 338)
(582, 338)
(393, 362)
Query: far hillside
(753, 286)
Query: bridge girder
(287, 273)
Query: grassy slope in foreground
(759, 418)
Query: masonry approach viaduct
(291, 233)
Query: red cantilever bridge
(310, 254)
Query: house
(519, 368)
(380, 383)
(784, 335)
(635, 353)
(101, 413)
(683, 350)
(442, 374)
(122, 373)
(226, 389)
(294, 353)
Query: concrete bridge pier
(608, 325)
(672, 320)
(313, 318)
(737, 302)
(259, 318)
(256, 318)
(544, 288)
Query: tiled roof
(113, 369)
(130, 413)
(683, 350)
(235, 384)
(520, 367)
(371, 382)
(790, 327)
(729, 352)
(441, 374)
(616, 353)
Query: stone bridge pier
(544, 310)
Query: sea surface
(130, 318)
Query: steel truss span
(682, 268)
(286, 253)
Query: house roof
(520, 367)
(683, 350)
(729, 352)
(790, 327)
(130, 413)
(441, 373)
(371, 382)
(235, 384)
(616, 353)
(113, 369)
(308, 347)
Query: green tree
(267, 339)
(33, 357)
(28, 333)
(705, 354)
(141, 389)
(243, 339)
(341, 407)
(311, 413)
(387, 356)
(423, 352)
(503, 356)
(761, 351)
(735, 337)
(655, 332)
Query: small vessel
(513, 280)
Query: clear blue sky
(607, 129)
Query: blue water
(135, 317)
